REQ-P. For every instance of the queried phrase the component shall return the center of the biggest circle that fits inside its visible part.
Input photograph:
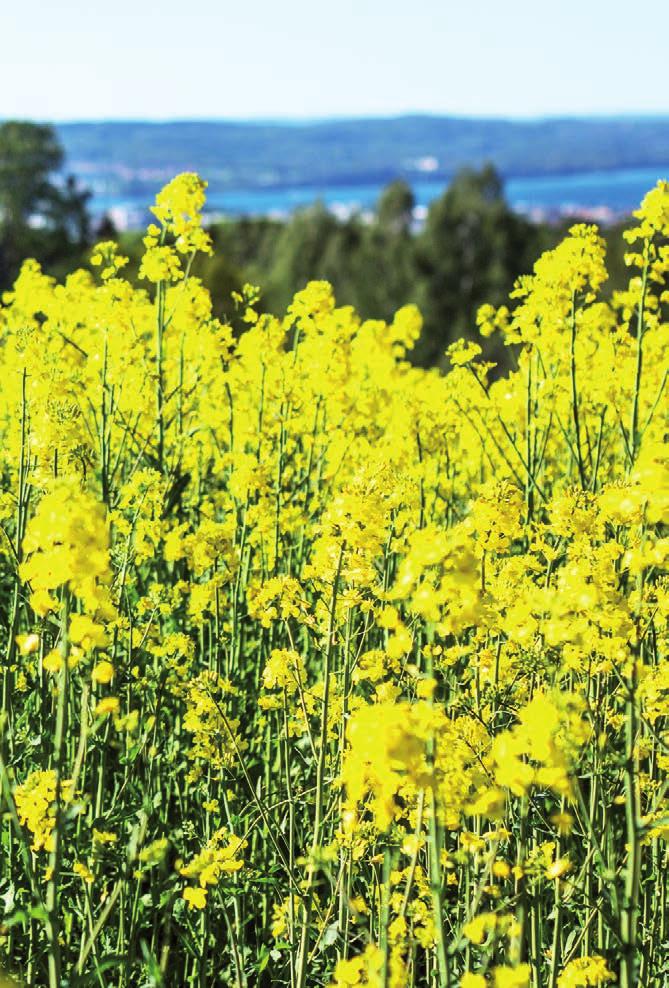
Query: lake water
(603, 194)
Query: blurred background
(407, 153)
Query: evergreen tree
(471, 250)
(39, 217)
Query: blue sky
(74, 59)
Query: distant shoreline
(604, 197)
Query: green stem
(574, 393)
(634, 421)
(52, 908)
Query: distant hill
(131, 156)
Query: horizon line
(293, 121)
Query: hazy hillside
(375, 150)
